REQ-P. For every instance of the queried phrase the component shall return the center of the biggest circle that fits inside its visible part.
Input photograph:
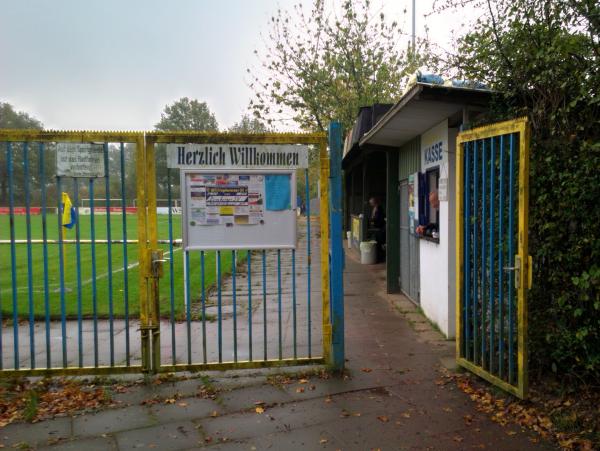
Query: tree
(12, 119)
(186, 114)
(542, 57)
(321, 68)
(248, 124)
(183, 114)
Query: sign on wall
(237, 156)
(80, 160)
(240, 209)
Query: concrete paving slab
(35, 434)
(248, 398)
(164, 437)
(107, 443)
(111, 421)
(185, 409)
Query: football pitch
(79, 297)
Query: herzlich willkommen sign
(237, 156)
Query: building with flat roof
(403, 156)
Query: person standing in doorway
(377, 226)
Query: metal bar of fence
(492, 258)
(234, 298)
(264, 286)
(42, 150)
(171, 268)
(61, 208)
(13, 253)
(501, 260)
(279, 327)
(188, 304)
(511, 257)
(294, 302)
(467, 269)
(219, 308)
(111, 324)
(78, 260)
(249, 263)
(475, 256)
(202, 282)
(94, 287)
(308, 262)
(125, 256)
(26, 176)
(483, 254)
(176, 242)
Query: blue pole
(63, 321)
(29, 253)
(467, 248)
(501, 213)
(94, 286)
(264, 280)
(219, 308)
(202, 282)
(294, 301)
(511, 256)
(475, 258)
(336, 243)
(78, 261)
(125, 259)
(111, 325)
(13, 252)
(249, 262)
(308, 263)
(279, 325)
(188, 306)
(171, 268)
(234, 294)
(45, 255)
(491, 277)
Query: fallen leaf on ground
(383, 418)
(366, 370)
(259, 409)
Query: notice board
(238, 209)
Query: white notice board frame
(279, 230)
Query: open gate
(493, 267)
(74, 299)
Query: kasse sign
(237, 156)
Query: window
(429, 204)
(432, 201)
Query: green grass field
(102, 274)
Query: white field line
(40, 288)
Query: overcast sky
(114, 64)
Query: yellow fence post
(154, 254)
(523, 251)
(143, 255)
(324, 199)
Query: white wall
(437, 259)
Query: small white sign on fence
(84, 160)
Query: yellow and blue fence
(493, 265)
(96, 299)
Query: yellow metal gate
(493, 267)
(87, 263)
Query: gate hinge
(156, 263)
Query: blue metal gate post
(336, 246)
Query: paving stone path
(391, 398)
